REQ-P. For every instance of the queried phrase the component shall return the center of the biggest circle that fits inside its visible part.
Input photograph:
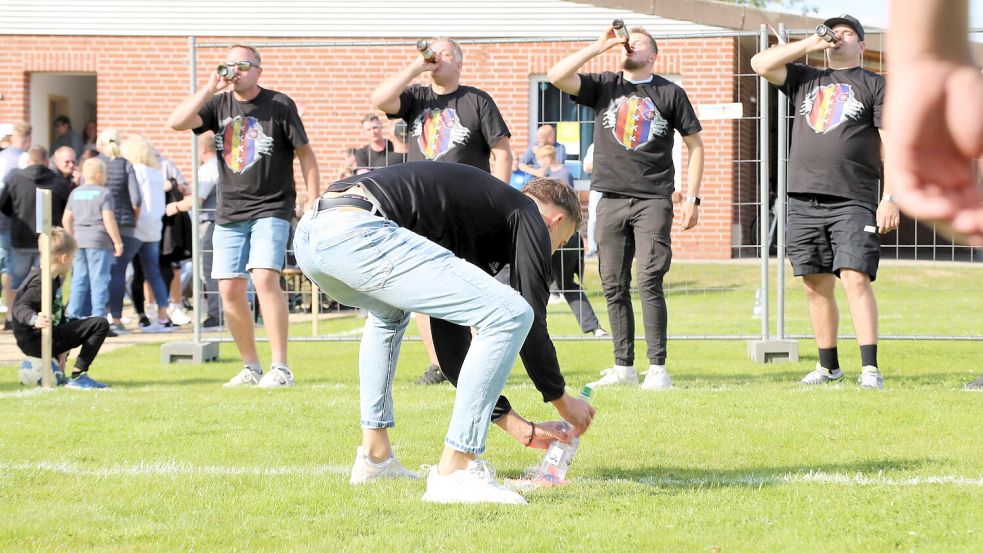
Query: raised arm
(185, 115)
(770, 64)
(386, 95)
(564, 74)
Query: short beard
(632, 65)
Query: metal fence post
(195, 351)
(780, 205)
(764, 175)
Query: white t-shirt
(150, 224)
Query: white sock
(254, 367)
(623, 368)
(657, 368)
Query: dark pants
(136, 285)
(628, 228)
(567, 263)
(88, 333)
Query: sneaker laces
(483, 470)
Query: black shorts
(825, 234)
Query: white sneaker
(179, 315)
(657, 379)
(870, 377)
(246, 377)
(364, 470)
(555, 299)
(615, 376)
(822, 376)
(278, 377)
(475, 484)
(601, 333)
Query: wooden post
(43, 226)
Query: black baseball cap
(849, 21)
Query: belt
(345, 200)
(615, 196)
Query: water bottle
(559, 456)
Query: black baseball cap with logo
(849, 21)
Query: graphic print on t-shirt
(439, 130)
(242, 141)
(826, 107)
(634, 121)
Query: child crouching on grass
(28, 319)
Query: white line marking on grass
(172, 468)
(175, 468)
(837, 478)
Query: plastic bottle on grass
(559, 456)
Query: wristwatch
(891, 198)
(695, 200)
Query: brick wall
(140, 79)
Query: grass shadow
(664, 477)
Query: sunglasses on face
(242, 66)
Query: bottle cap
(586, 391)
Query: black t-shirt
(255, 141)
(633, 132)
(461, 126)
(367, 159)
(484, 222)
(836, 147)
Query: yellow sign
(568, 134)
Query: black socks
(868, 355)
(828, 359)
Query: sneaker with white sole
(601, 333)
(178, 315)
(278, 377)
(475, 484)
(657, 379)
(822, 376)
(870, 377)
(246, 377)
(617, 376)
(365, 470)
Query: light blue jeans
(366, 261)
(90, 283)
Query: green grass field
(735, 458)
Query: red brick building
(140, 70)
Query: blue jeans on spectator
(149, 254)
(5, 248)
(21, 261)
(369, 262)
(117, 284)
(90, 283)
(246, 245)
